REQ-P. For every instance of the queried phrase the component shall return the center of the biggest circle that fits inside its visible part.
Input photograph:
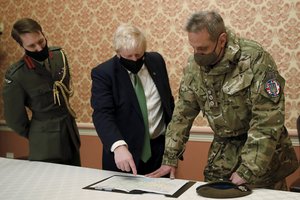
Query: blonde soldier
(235, 83)
(40, 81)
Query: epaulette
(14, 67)
(54, 48)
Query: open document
(140, 184)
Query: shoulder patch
(272, 87)
(271, 84)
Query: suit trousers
(157, 151)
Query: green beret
(222, 189)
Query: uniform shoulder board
(11, 70)
(54, 48)
(14, 67)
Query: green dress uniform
(243, 101)
(36, 106)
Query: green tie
(139, 90)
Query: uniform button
(211, 103)
(210, 97)
(208, 91)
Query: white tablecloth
(20, 180)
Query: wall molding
(198, 134)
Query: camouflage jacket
(242, 94)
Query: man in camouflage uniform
(39, 81)
(235, 83)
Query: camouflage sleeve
(267, 122)
(14, 106)
(178, 130)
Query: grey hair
(209, 20)
(128, 37)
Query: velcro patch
(272, 88)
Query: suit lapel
(153, 70)
(157, 76)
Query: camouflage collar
(230, 57)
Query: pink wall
(84, 29)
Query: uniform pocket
(40, 97)
(238, 82)
(40, 90)
(237, 103)
(45, 140)
(224, 158)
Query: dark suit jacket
(117, 115)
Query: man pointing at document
(236, 84)
(132, 103)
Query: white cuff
(117, 144)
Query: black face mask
(131, 65)
(207, 59)
(38, 55)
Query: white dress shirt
(155, 111)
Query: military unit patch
(272, 88)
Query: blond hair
(128, 37)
